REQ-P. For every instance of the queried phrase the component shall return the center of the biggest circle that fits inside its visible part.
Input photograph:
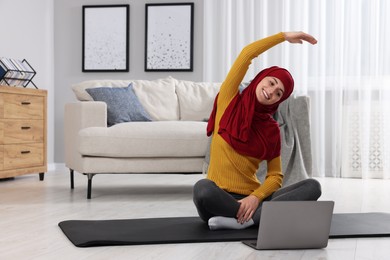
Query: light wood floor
(30, 211)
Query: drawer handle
(25, 127)
(25, 152)
(25, 103)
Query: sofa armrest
(76, 117)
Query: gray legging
(210, 200)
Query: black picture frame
(169, 36)
(105, 44)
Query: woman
(244, 134)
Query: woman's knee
(315, 188)
(203, 189)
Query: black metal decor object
(16, 73)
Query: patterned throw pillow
(122, 104)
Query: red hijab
(247, 125)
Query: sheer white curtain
(347, 74)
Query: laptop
(293, 225)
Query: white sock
(218, 222)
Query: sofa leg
(90, 175)
(71, 178)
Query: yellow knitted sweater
(230, 170)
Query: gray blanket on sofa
(293, 117)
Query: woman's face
(269, 90)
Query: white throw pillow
(158, 97)
(82, 95)
(196, 99)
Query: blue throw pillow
(122, 104)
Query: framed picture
(105, 38)
(169, 37)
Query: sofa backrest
(164, 99)
(158, 97)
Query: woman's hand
(247, 208)
(299, 37)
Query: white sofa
(175, 140)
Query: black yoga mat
(88, 233)
(349, 225)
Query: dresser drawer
(21, 106)
(23, 156)
(15, 131)
(1, 158)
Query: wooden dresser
(22, 131)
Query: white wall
(27, 33)
(68, 50)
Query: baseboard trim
(56, 166)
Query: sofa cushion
(158, 97)
(157, 139)
(196, 99)
(122, 104)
